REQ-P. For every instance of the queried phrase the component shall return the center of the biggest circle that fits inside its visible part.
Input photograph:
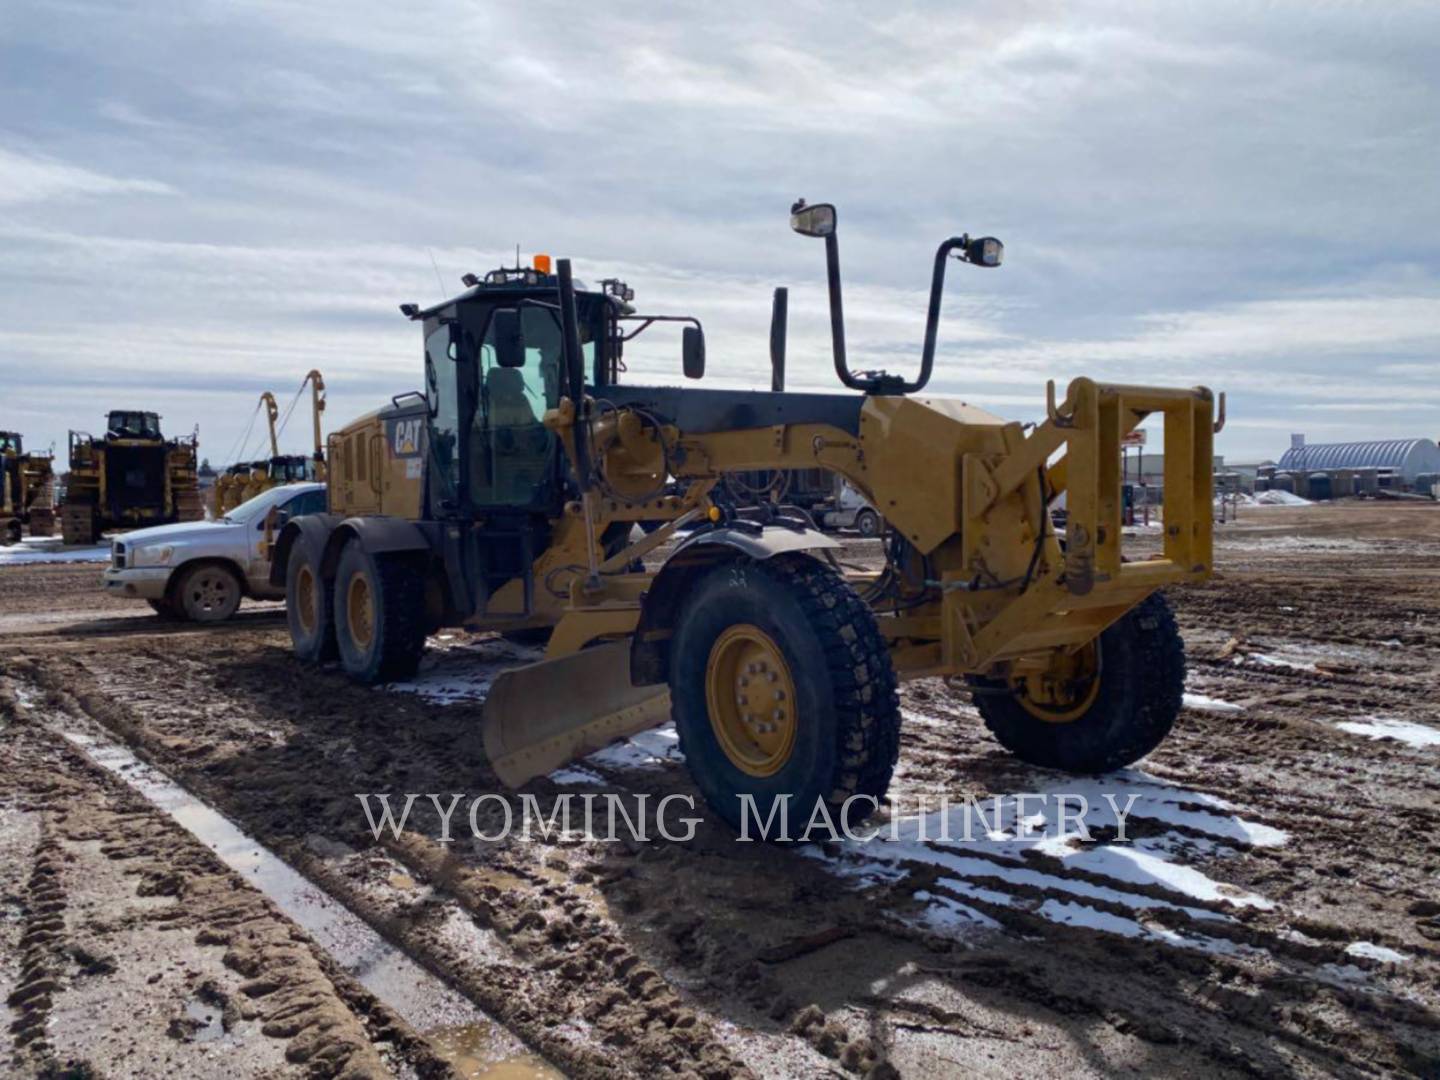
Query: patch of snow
(573, 774)
(1380, 727)
(47, 549)
(942, 913)
(987, 852)
(648, 750)
(1276, 497)
(1267, 660)
(455, 671)
(1209, 704)
(1370, 951)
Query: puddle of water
(467, 1048)
(206, 1023)
(423, 1001)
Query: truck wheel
(11, 533)
(782, 686)
(164, 608)
(209, 592)
(379, 615)
(1101, 708)
(309, 608)
(867, 523)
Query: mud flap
(545, 715)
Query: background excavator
(503, 498)
(244, 480)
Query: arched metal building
(1405, 458)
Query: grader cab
(130, 478)
(503, 498)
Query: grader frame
(977, 583)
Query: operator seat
(518, 441)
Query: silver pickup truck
(201, 570)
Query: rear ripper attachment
(505, 496)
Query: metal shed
(1404, 459)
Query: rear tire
(309, 607)
(1142, 681)
(209, 592)
(379, 615)
(844, 734)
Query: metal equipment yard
(1272, 910)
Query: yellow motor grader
(27, 490)
(503, 498)
(130, 478)
(243, 481)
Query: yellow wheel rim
(360, 611)
(1064, 691)
(751, 700)
(305, 599)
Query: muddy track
(108, 877)
(1273, 913)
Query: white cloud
(26, 178)
(1205, 193)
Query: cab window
(510, 448)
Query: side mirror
(509, 338)
(693, 349)
(817, 220)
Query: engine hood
(169, 534)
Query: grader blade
(545, 715)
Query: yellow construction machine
(27, 490)
(130, 478)
(504, 496)
(244, 480)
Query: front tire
(1141, 680)
(309, 607)
(830, 727)
(379, 615)
(867, 524)
(164, 608)
(208, 593)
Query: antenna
(436, 266)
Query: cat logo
(405, 436)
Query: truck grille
(117, 556)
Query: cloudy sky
(203, 200)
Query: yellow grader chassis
(969, 491)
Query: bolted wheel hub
(210, 591)
(1064, 689)
(360, 611)
(307, 599)
(751, 700)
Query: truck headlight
(152, 556)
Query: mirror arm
(837, 315)
(646, 321)
(932, 317)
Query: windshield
(134, 425)
(253, 509)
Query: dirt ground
(1273, 910)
